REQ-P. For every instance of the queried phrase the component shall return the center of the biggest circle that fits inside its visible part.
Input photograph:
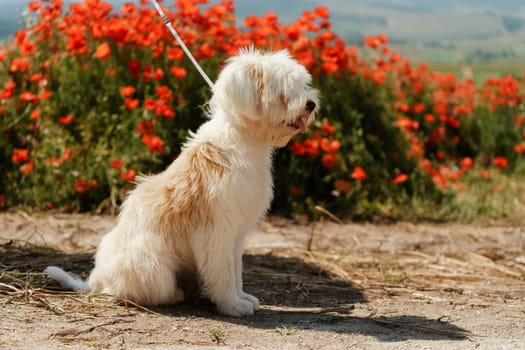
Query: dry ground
(359, 286)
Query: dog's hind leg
(144, 278)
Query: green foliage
(491, 134)
(104, 98)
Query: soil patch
(358, 286)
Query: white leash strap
(168, 24)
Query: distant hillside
(424, 21)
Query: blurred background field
(423, 102)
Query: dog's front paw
(251, 299)
(237, 308)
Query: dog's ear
(240, 88)
(256, 73)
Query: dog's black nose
(310, 106)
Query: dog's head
(268, 95)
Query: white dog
(194, 215)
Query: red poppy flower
(27, 168)
(84, 185)
(519, 148)
(128, 9)
(103, 51)
(328, 128)
(519, 119)
(205, 51)
(311, 147)
(466, 163)
(330, 67)
(19, 155)
(33, 6)
(174, 53)
(383, 39)
(178, 72)
(329, 160)
(322, 11)
(67, 119)
(429, 118)
(45, 94)
(400, 178)
(35, 114)
(403, 107)
(81, 186)
(127, 91)
(116, 164)
(379, 77)
(168, 113)
(28, 96)
(371, 42)
(27, 48)
(128, 175)
(500, 162)
(158, 74)
(146, 127)
(154, 143)
(297, 148)
(342, 186)
(20, 64)
(251, 21)
(358, 174)
(134, 68)
(406, 123)
(330, 146)
(66, 154)
(35, 77)
(418, 107)
(131, 103)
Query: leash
(168, 24)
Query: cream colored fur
(194, 215)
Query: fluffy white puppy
(194, 215)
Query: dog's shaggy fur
(195, 214)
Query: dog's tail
(65, 280)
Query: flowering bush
(91, 96)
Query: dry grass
(499, 198)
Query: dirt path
(360, 286)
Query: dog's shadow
(294, 294)
(289, 281)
